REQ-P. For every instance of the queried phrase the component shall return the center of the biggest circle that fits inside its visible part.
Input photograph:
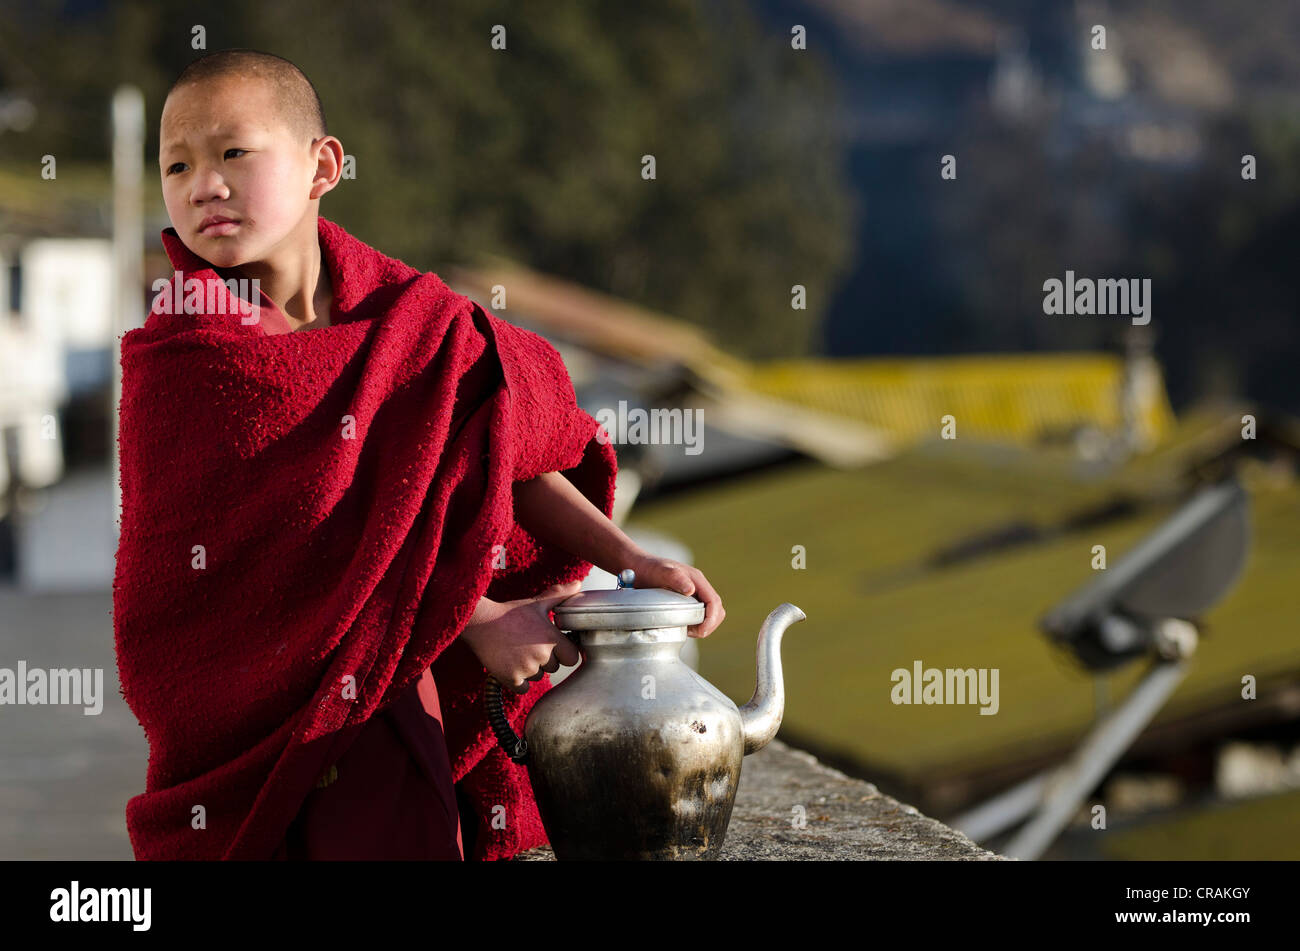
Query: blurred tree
(1229, 248)
(535, 151)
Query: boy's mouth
(217, 224)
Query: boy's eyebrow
(230, 132)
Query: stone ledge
(847, 819)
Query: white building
(55, 342)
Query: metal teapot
(635, 755)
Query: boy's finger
(557, 593)
(566, 653)
(713, 613)
(686, 580)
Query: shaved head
(300, 107)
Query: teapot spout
(761, 717)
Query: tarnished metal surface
(635, 755)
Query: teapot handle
(515, 746)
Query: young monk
(245, 159)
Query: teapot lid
(626, 608)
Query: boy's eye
(178, 166)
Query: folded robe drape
(308, 521)
(390, 796)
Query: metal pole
(1003, 810)
(128, 249)
(1094, 758)
(1100, 696)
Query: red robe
(309, 519)
(391, 795)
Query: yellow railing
(1007, 397)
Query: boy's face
(226, 152)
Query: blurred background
(799, 272)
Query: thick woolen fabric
(309, 520)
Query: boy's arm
(506, 636)
(553, 510)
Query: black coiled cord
(516, 746)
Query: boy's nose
(208, 186)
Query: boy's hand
(654, 572)
(516, 641)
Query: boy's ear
(328, 153)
